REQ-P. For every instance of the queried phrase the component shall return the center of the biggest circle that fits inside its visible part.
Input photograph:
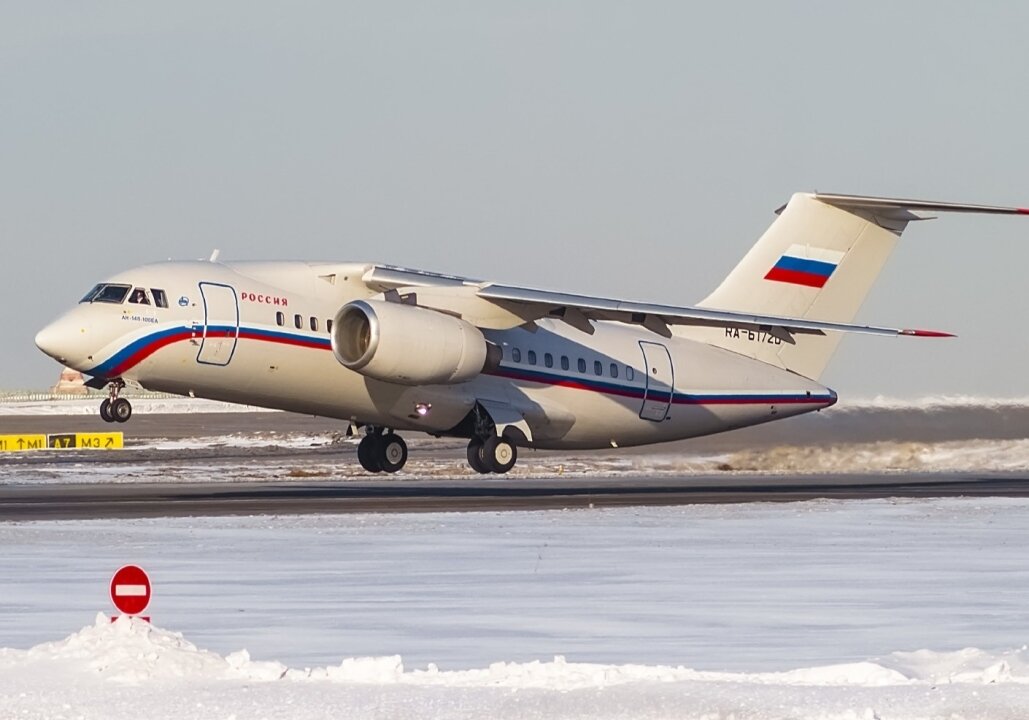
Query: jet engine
(408, 345)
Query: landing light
(423, 409)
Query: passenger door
(221, 324)
(657, 397)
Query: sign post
(130, 591)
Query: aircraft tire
(105, 411)
(392, 452)
(120, 410)
(368, 453)
(499, 455)
(475, 458)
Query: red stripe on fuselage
(146, 351)
(661, 395)
(509, 374)
(282, 340)
(506, 373)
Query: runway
(276, 463)
(156, 499)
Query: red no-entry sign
(130, 589)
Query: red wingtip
(1022, 211)
(927, 333)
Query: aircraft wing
(496, 306)
(554, 304)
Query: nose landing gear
(114, 408)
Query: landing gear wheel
(498, 454)
(114, 408)
(120, 410)
(475, 456)
(368, 453)
(392, 452)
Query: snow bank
(133, 651)
(289, 440)
(930, 403)
(129, 668)
(876, 457)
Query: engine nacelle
(406, 344)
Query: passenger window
(516, 355)
(548, 360)
(614, 370)
(298, 320)
(314, 324)
(532, 357)
(598, 367)
(139, 297)
(582, 365)
(160, 298)
(280, 319)
(564, 362)
(629, 373)
(328, 326)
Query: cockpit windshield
(107, 293)
(116, 295)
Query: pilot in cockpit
(139, 297)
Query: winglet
(927, 333)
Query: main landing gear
(385, 451)
(382, 451)
(495, 454)
(114, 408)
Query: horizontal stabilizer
(897, 206)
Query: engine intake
(406, 344)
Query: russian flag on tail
(805, 265)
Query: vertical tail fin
(818, 261)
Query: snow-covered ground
(129, 669)
(825, 609)
(282, 456)
(879, 435)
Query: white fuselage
(257, 334)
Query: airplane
(389, 349)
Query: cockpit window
(139, 297)
(88, 297)
(106, 293)
(160, 298)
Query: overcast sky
(631, 149)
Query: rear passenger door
(657, 396)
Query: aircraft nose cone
(65, 340)
(49, 341)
